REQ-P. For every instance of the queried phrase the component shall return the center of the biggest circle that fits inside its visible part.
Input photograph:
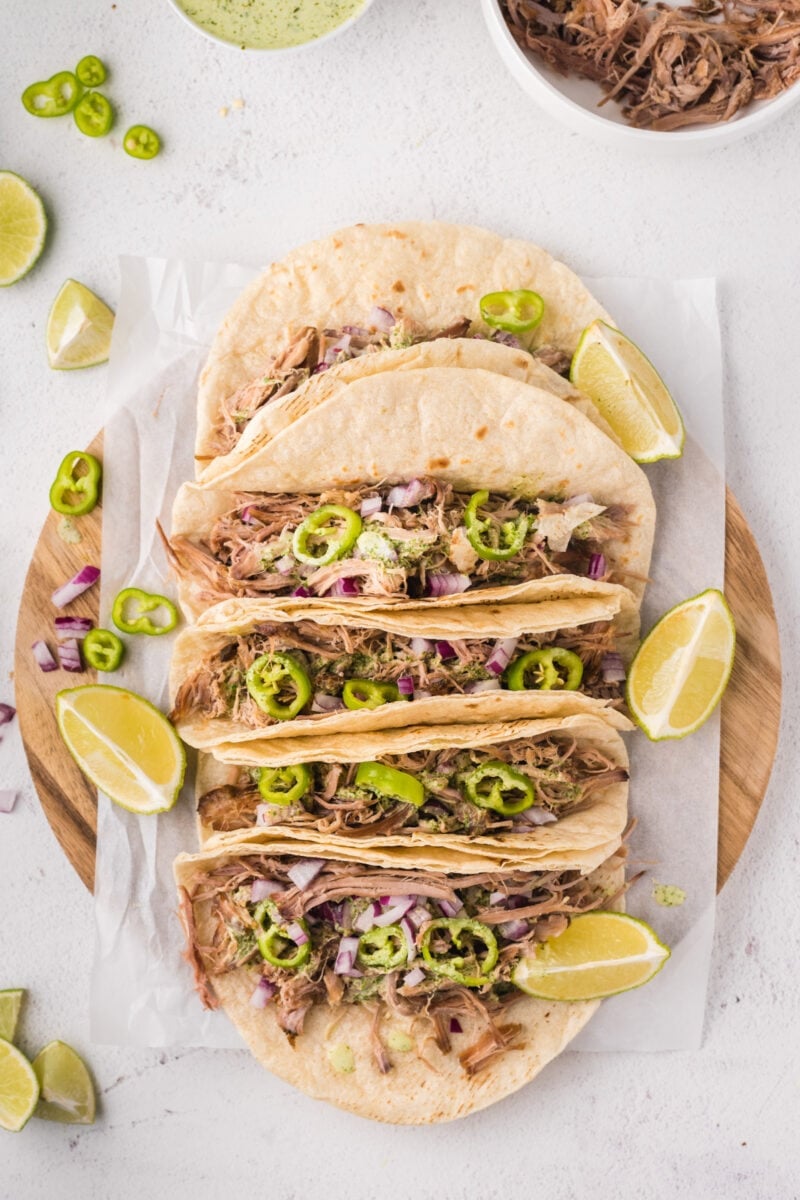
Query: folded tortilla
(219, 628)
(333, 1057)
(429, 274)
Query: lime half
(599, 955)
(124, 745)
(23, 227)
(67, 1091)
(629, 392)
(10, 1004)
(78, 329)
(19, 1088)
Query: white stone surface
(410, 114)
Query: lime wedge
(23, 227)
(67, 1091)
(78, 329)
(10, 1004)
(19, 1088)
(629, 392)
(682, 667)
(599, 955)
(124, 745)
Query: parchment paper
(141, 991)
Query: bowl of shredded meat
(630, 71)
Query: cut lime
(23, 227)
(19, 1088)
(599, 955)
(629, 392)
(10, 1004)
(78, 329)
(124, 745)
(67, 1091)
(682, 667)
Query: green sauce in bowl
(269, 24)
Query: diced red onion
(355, 331)
(597, 566)
(380, 318)
(263, 993)
(451, 908)
(418, 916)
(500, 657)
(301, 591)
(246, 515)
(447, 583)
(418, 645)
(285, 565)
(69, 655)
(261, 888)
(455, 1024)
(322, 702)
(536, 815)
(483, 685)
(384, 900)
(366, 919)
(262, 814)
(8, 799)
(346, 956)
(506, 339)
(371, 505)
(422, 694)
(514, 930)
(396, 907)
(445, 650)
(584, 498)
(613, 668)
(405, 686)
(411, 938)
(296, 932)
(319, 368)
(78, 625)
(43, 657)
(344, 587)
(303, 872)
(413, 977)
(337, 348)
(7, 713)
(497, 897)
(69, 591)
(408, 495)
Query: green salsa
(269, 24)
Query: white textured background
(410, 114)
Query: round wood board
(69, 801)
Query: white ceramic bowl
(285, 50)
(574, 101)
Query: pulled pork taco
(379, 987)
(251, 671)
(527, 788)
(331, 305)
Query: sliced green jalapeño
(284, 785)
(388, 782)
(93, 115)
(500, 787)
(363, 693)
(52, 97)
(75, 489)
(514, 312)
(383, 948)
(141, 142)
(275, 942)
(460, 949)
(102, 649)
(279, 686)
(327, 534)
(131, 611)
(495, 541)
(91, 71)
(545, 669)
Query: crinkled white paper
(167, 314)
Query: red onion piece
(371, 505)
(497, 897)
(7, 713)
(405, 686)
(355, 331)
(597, 566)
(366, 919)
(418, 645)
(297, 933)
(536, 815)
(8, 799)
(418, 916)
(447, 583)
(69, 591)
(584, 498)
(500, 657)
(246, 515)
(445, 650)
(395, 909)
(262, 815)
(613, 668)
(285, 565)
(43, 657)
(451, 908)
(483, 685)
(514, 930)
(301, 591)
(411, 938)
(303, 872)
(263, 993)
(455, 1024)
(261, 888)
(346, 956)
(344, 587)
(380, 318)
(413, 977)
(69, 655)
(409, 495)
(78, 625)
(422, 694)
(322, 702)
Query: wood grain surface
(750, 708)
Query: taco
(250, 671)
(343, 977)
(332, 304)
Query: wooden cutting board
(750, 708)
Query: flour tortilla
(468, 353)
(429, 272)
(600, 824)
(424, 1086)
(219, 625)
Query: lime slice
(23, 227)
(682, 667)
(67, 1091)
(124, 745)
(19, 1088)
(600, 954)
(629, 392)
(10, 1004)
(78, 329)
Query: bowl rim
(552, 97)
(286, 51)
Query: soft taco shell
(426, 271)
(424, 1086)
